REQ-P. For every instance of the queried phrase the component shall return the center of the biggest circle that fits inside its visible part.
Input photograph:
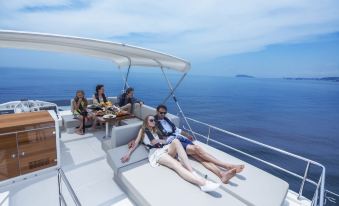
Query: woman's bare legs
(95, 121)
(176, 148)
(172, 163)
(224, 176)
(80, 129)
(199, 151)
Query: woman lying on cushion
(165, 154)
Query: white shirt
(168, 127)
(146, 138)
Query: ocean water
(301, 117)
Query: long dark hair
(76, 98)
(97, 88)
(145, 127)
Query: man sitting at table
(171, 132)
(127, 100)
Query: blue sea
(299, 116)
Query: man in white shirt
(170, 132)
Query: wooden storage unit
(9, 162)
(27, 143)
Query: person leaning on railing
(79, 109)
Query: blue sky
(281, 38)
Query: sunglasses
(163, 112)
(151, 120)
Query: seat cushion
(69, 121)
(131, 121)
(148, 185)
(253, 186)
(114, 155)
(123, 134)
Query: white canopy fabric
(121, 54)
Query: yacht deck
(84, 163)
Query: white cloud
(186, 28)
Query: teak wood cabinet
(27, 143)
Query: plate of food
(109, 116)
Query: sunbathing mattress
(162, 186)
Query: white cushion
(156, 186)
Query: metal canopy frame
(170, 94)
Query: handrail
(331, 199)
(258, 143)
(256, 158)
(62, 176)
(320, 185)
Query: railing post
(62, 177)
(208, 136)
(59, 186)
(315, 200)
(304, 179)
(322, 187)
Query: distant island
(244, 76)
(334, 79)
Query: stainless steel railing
(62, 201)
(319, 193)
(331, 197)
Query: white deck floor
(84, 163)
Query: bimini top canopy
(121, 54)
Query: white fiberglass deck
(84, 163)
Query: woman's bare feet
(239, 168)
(226, 176)
(80, 132)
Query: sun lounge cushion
(114, 155)
(131, 121)
(123, 134)
(156, 186)
(69, 121)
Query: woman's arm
(126, 157)
(95, 101)
(136, 100)
(155, 141)
(75, 105)
(187, 135)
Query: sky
(281, 38)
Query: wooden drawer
(36, 162)
(9, 164)
(36, 140)
(23, 152)
(37, 150)
(9, 169)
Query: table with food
(109, 114)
